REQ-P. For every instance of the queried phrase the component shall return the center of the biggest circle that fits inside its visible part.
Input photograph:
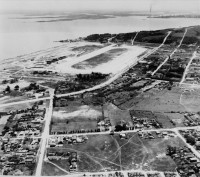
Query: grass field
(107, 152)
(116, 115)
(157, 100)
(51, 170)
(100, 59)
(191, 100)
(76, 116)
(165, 104)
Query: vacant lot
(16, 107)
(191, 100)
(100, 59)
(165, 104)
(75, 117)
(16, 96)
(106, 152)
(49, 169)
(116, 115)
(157, 100)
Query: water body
(19, 35)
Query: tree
(12, 81)
(190, 139)
(16, 87)
(4, 82)
(119, 128)
(6, 128)
(8, 89)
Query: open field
(100, 59)
(106, 66)
(154, 100)
(16, 107)
(116, 115)
(51, 170)
(76, 116)
(85, 114)
(17, 97)
(165, 103)
(191, 100)
(107, 152)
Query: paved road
(45, 134)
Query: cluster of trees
(119, 127)
(190, 139)
(11, 81)
(171, 150)
(191, 40)
(90, 77)
(56, 59)
(173, 73)
(124, 37)
(151, 36)
(67, 87)
(41, 72)
(8, 89)
(75, 131)
(33, 86)
(98, 37)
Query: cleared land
(76, 116)
(85, 116)
(110, 64)
(116, 115)
(16, 107)
(100, 59)
(51, 170)
(106, 153)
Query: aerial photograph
(100, 88)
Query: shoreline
(60, 36)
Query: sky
(99, 5)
